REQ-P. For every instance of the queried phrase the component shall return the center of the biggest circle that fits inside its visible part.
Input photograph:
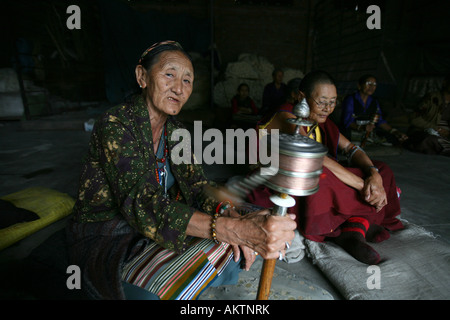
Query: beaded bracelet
(219, 210)
(213, 227)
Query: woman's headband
(158, 44)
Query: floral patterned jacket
(119, 178)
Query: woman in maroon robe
(355, 203)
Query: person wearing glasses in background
(357, 202)
(359, 109)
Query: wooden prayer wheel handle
(282, 202)
(265, 282)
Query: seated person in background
(274, 94)
(429, 130)
(143, 222)
(241, 103)
(353, 204)
(361, 107)
(277, 119)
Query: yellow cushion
(50, 205)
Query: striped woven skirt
(173, 276)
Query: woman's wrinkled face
(170, 82)
(322, 102)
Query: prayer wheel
(298, 174)
(300, 166)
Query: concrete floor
(48, 152)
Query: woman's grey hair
(150, 56)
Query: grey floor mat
(416, 267)
(285, 286)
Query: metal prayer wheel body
(300, 165)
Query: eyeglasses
(370, 83)
(323, 104)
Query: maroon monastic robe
(321, 214)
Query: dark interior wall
(302, 34)
(411, 43)
(66, 62)
(417, 45)
(347, 48)
(278, 32)
(418, 31)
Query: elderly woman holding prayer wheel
(143, 225)
(355, 203)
